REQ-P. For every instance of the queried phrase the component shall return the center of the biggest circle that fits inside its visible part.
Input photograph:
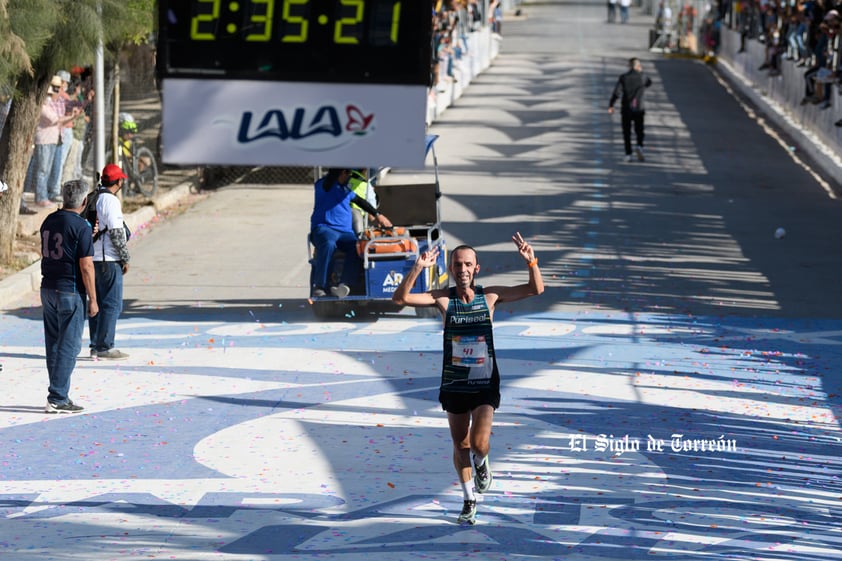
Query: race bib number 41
(470, 351)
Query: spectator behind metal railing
(748, 21)
(808, 31)
(772, 38)
(450, 29)
(496, 17)
(710, 32)
(796, 34)
(825, 70)
(814, 12)
(475, 14)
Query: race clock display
(344, 41)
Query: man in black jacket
(630, 89)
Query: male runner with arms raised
(470, 383)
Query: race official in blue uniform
(331, 228)
(470, 382)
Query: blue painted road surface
(620, 436)
(674, 394)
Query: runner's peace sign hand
(523, 247)
(428, 258)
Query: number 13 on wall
(353, 22)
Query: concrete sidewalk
(18, 285)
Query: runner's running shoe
(482, 477)
(469, 513)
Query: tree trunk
(15, 151)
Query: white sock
(478, 462)
(467, 490)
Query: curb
(27, 280)
(19, 284)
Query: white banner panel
(238, 122)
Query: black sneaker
(69, 407)
(469, 513)
(482, 477)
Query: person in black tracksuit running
(630, 89)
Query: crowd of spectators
(453, 20)
(61, 135)
(803, 32)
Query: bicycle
(137, 162)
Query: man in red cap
(111, 262)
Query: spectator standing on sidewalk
(624, 10)
(67, 276)
(73, 133)
(111, 262)
(470, 381)
(64, 106)
(612, 11)
(629, 90)
(663, 25)
(73, 165)
(47, 134)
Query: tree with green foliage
(38, 38)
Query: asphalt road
(242, 428)
(531, 148)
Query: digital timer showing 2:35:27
(374, 23)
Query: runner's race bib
(472, 352)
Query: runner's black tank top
(469, 364)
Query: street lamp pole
(99, 100)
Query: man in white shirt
(111, 262)
(624, 10)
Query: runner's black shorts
(459, 403)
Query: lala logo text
(319, 129)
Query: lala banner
(238, 122)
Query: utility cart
(388, 254)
